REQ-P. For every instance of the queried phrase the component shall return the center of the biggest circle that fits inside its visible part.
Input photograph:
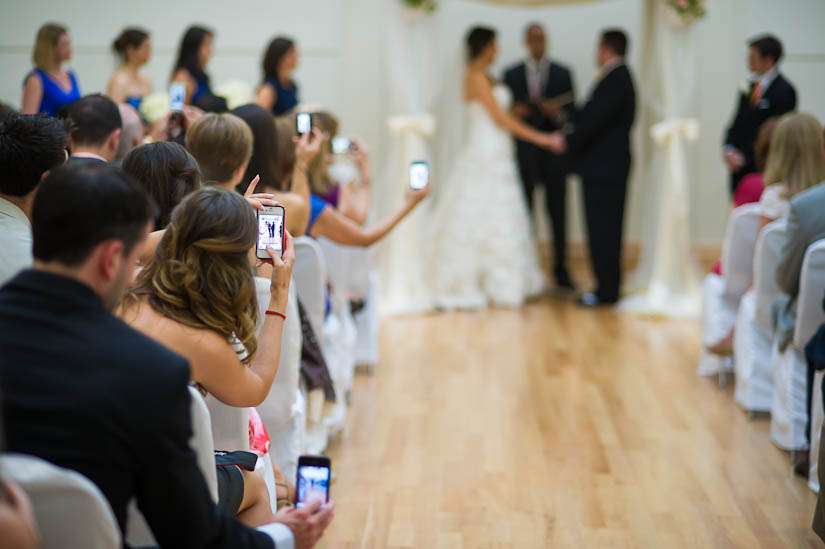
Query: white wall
(342, 59)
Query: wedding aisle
(555, 427)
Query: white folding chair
(789, 412)
(753, 335)
(138, 533)
(70, 510)
(721, 294)
(817, 414)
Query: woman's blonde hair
(796, 154)
(45, 43)
(317, 172)
(200, 275)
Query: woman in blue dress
(128, 84)
(48, 87)
(279, 93)
(190, 68)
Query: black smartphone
(303, 123)
(270, 231)
(314, 474)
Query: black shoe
(802, 468)
(563, 281)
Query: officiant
(543, 97)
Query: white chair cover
(816, 431)
(70, 511)
(367, 325)
(310, 275)
(788, 411)
(721, 295)
(753, 335)
(138, 533)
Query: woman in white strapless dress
(483, 249)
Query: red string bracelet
(276, 313)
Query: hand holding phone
(341, 145)
(419, 175)
(314, 475)
(303, 123)
(270, 231)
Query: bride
(483, 250)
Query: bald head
(131, 135)
(536, 40)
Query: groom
(543, 98)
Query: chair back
(809, 312)
(738, 250)
(70, 510)
(765, 260)
(310, 275)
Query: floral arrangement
(422, 5)
(688, 11)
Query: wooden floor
(555, 427)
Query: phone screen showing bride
(419, 175)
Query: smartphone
(341, 145)
(303, 122)
(177, 95)
(270, 231)
(313, 480)
(419, 175)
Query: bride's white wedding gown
(483, 251)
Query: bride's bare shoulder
(475, 83)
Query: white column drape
(666, 281)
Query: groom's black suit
(600, 148)
(538, 165)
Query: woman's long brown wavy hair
(200, 275)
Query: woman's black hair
(188, 52)
(263, 161)
(131, 37)
(275, 52)
(478, 39)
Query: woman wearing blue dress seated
(128, 84)
(48, 87)
(190, 69)
(279, 93)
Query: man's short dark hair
(768, 46)
(79, 206)
(616, 40)
(92, 119)
(30, 145)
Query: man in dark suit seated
(94, 129)
(765, 95)
(599, 143)
(83, 390)
(543, 97)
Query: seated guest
(105, 385)
(94, 129)
(30, 146)
(131, 134)
(167, 172)
(5, 111)
(279, 93)
(17, 520)
(222, 146)
(128, 84)
(48, 87)
(190, 68)
(292, 192)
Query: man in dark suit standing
(766, 95)
(543, 97)
(83, 390)
(599, 144)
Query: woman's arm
(333, 225)
(266, 97)
(354, 200)
(116, 89)
(32, 95)
(484, 93)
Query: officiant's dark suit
(546, 80)
(599, 145)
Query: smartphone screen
(177, 94)
(340, 145)
(303, 123)
(270, 230)
(419, 175)
(313, 482)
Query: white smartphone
(313, 480)
(341, 145)
(419, 175)
(177, 95)
(270, 231)
(303, 122)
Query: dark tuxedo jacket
(778, 99)
(85, 391)
(558, 83)
(600, 140)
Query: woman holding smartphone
(128, 84)
(190, 68)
